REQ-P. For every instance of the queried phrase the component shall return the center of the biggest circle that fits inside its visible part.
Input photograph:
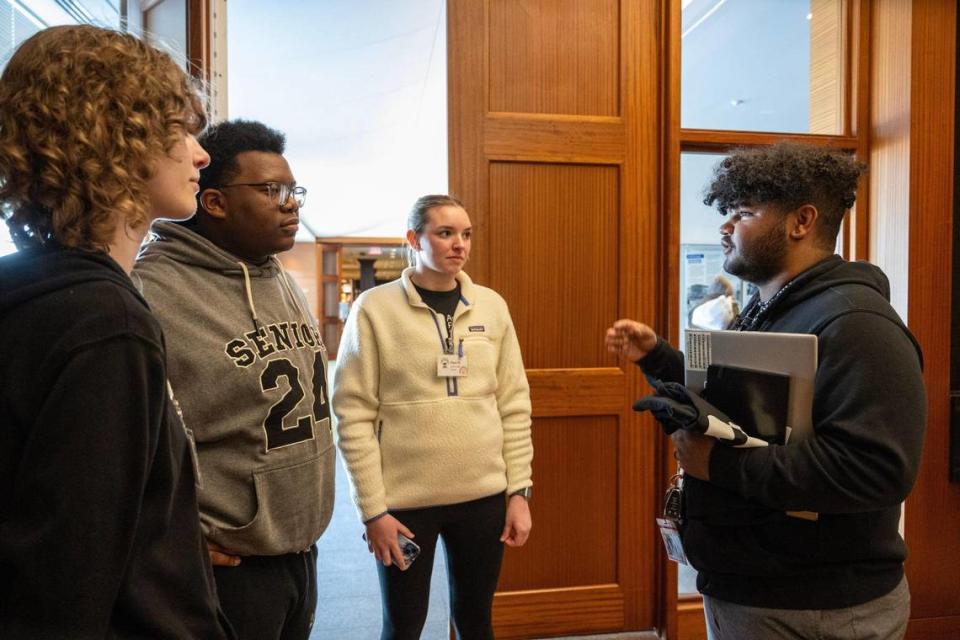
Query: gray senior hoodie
(248, 369)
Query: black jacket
(99, 530)
(869, 414)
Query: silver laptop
(792, 354)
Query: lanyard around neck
(751, 317)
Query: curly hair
(226, 140)
(789, 175)
(85, 113)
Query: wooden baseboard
(558, 612)
(690, 622)
(933, 628)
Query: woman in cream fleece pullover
(433, 412)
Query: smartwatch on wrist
(526, 493)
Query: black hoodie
(99, 530)
(869, 414)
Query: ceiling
(359, 88)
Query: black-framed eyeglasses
(276, 191)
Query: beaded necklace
(751, 317)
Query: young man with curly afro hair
(838, 572)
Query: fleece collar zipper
(446, 344)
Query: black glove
(676, 407)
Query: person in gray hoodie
(248, 368)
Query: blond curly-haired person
(99, 532)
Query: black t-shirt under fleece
(443, 302)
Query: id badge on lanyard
(451, 364)
(672, 518)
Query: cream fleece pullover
(412, 439)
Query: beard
(762, 259)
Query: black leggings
(471, 536)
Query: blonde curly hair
(85, 113)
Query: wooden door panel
(560, 274)
(554, 56)
(550, 138)
(575, 512)
(576, 392)
(537, 614)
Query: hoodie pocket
(294, 505)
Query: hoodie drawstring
(285, 283)
(246, 283)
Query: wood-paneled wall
(914, 89)
(933, 512)
(890, 146)
(828, 50)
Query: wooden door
(329, 266)
(555, 152)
